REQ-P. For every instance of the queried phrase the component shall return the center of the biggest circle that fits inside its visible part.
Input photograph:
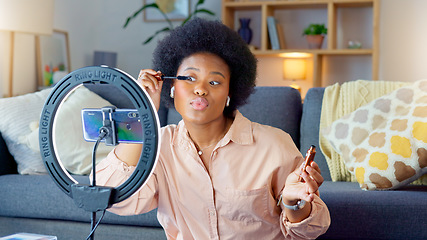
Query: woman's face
(203, 99)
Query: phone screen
(127, 124)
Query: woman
(219, 175)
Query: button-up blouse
(235, 199)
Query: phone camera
(132, 115)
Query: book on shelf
(275, 33)
(281, 36)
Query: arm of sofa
(310, 121)
(7, 163)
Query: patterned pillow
(384, 143)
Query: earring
(228, 101)
(172, 92)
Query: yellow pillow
(384, 143)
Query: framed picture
(53, 58)
(175, 10)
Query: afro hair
(200, 35)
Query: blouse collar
(240, 132)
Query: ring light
(100, 75)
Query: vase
(315, 41)
(244, 31)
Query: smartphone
(309, 157)
(126, 121)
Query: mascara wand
(177, 78)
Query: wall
(97, 25)
(94, 25)
(403, 37)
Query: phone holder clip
(109, 126)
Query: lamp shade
(294, 68)
(27, 16)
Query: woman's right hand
(151, 81)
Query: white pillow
(16, 115)
(73, 151)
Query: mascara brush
(177, 78)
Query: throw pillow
(16, 114)
(340, 100)
(384, 143)
(73, 151)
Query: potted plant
(315, 33)
(170, 26)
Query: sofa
(33, 203)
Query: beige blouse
(236, 199)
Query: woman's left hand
(295, 190)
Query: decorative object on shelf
(53, 56)
(295, 68)
(354, 44)
(33, 17)
(166, 17)
(245, 31)
(315, 33)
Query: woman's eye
(213, 83)
(191, 79)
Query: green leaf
(195, 12)
(200, 2)
(166, 29)
(315, 29)
(152, 5)
(203, 10)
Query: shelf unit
(268, 8)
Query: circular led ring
(101, 75)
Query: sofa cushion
(384, 143)
(358, 214)
(278, 107)
(37, 196)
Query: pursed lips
(199, 103)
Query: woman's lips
(199, 104)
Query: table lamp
(295, 68)
(25, 16)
